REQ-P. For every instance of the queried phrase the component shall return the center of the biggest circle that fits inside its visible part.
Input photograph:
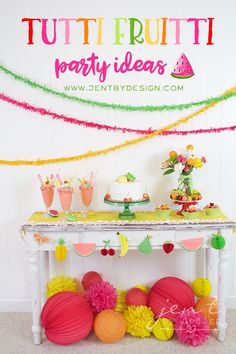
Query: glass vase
(186, 183)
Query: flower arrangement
(184, 162)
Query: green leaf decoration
(171, 170)
(145, 246)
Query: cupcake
(191, 213)
(163, 211)
(212, 210)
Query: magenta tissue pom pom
(191, 327)
(101, 296)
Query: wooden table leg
(34, 274)
(224, 257)
(44, 267)
(211, 269)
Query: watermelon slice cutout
(183, 68)
(53, 213)
(193, 244)
(84, 249)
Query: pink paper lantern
(66, 318)
(90, 278)
(136, 297)
(169, 296)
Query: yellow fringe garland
(115, 147)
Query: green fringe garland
(148, 108)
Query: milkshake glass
(65, 196)
(47, 194)
(87, 196)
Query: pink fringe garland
(98, 126)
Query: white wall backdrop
(27, 135)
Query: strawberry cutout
(168, 247)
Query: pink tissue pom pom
(191, 327)
(101, 296)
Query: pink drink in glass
(87, 195)
(65, 195)
(47, 194)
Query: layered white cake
(121, 190)
(126, 188)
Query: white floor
(15, 338)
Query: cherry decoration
(107, 250)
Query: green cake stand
(126, 214)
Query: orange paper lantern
(209, 308)
(109, 326)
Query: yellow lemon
(143, 288)
(189, 147)
(163, 329)
(201, 287)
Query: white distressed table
(96, 232)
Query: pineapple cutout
(145, 246)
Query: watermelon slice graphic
(183, 68)
(193, 244)
(84, 249)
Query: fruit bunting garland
(107, 250)
(193, 244)
(145, 246)
(41, 239)
(217, 241)
(84, 249)
(60, 250)
(168, 247)
(124, 244)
